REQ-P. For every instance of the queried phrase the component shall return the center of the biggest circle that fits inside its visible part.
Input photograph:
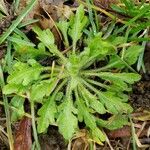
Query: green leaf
(20, 41)
(93, 101)
(117, 77)
(43, 88)
(18, 103)
(117, 40)
(77, 25)
(14, 88)
(24, 51)
(118, 81)
(24, 73)
(119, 86)
(97, 106)
(89, 120)
(45, 36)
(47, 115)
(130, 56)
(67, 121)
(114, 104)
(114, 122)
(99, 46)
(132, 53)
(63, 27)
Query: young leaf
(132, 54)
(67, 121)
(98, 46)
(18, 103)
(45, 36)
(77, 25)
(47, 115)
(63, 27)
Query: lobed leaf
(43, 88)
(67, 121)
(77, 25)
(118, 77)
(114, 104)
(46, 115)
(89, 120)
(14, 88)
(114, 122)
(99, 46)
(24, 73)
(63, 27)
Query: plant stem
(133, 133)
(34, 127)
(6, 107)
(125, 41)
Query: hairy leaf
(47, 115)
(89, 120)
(93, 101)
(77, 24)
(114, 122)
(24, 73)
(100, 47)
(114, 104)
(130, 56)
(14, 88)
(67, 121)
(117, 77)
(45, 36)
(63, 27)
(44, 88)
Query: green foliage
(132, 9)
(25, 73)
(130, 56)
(77, 23)
(24, 49)
(63, 26)
(114, 122)
(47, 115)
(43, 88)
(18, 103)
(71, 91)
(67, 121)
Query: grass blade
(17, 21)
(7, 112)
